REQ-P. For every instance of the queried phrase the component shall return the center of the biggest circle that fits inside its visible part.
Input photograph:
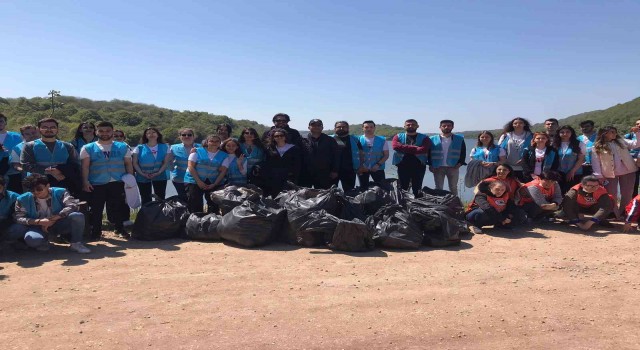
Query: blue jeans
(34, 236)
(477, 217)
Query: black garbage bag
(252, 224)
(232, 196)
(397, 194)
(373, 199)
(203, 227)
(443, 197)
(317, 229)
(394, 228)
(442, 225)
(350, 210)
(162, 219)
(352, 236)
(312, 199)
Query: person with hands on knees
(45, 211)
(206, 172)
(587, 197)
(492, 205)
(150, 160)
(237, 169)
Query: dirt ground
(545, 288)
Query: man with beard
(446, 156)
(16, 173)
(8, 140)
(321, 158)
(49, 156)
(551, 126)
(411, 149)
(351, 156)
(281, 121)
(376, 153)
(104, 162)
(588, 136)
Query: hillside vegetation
(133, 118)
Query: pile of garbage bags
(359, 220)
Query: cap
(316, 121)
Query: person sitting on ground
(633, 213)
(9, 231)
(490, 206)
(588, 197)
(542, 196)
(45, 211)
(505, 173)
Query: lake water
(466, 194)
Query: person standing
(516, 137)
(150, 161)
(180, 153)
(104, 162)
(237, 163)
(8, 140)
(85, 134)
(635, 153)
(321, 158)
(539, 157)
(224, 130)
(283, 163)
(410, 157)
(206, 171)
(16, 173)
(376, 153)
(56, 159)
(551, 127)
(571, 153)
(281, 121)
(253, 150)
(351, 156)
(446, 156)
(588, 137)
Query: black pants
(180, 190)
(112, 194)
(377, 176)
(347, 178)
(317, 179)
(565, 185)
(411, 173)
(194, 199)
(15, 183)
(159, 188)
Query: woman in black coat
(283, 163)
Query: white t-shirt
(539, 160)
(154, 150)
(283, 149)
(369, 141)
(44, 211)
(502, 152)
(446, 142)
(565, 145)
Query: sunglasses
(186, 135)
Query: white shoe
(475, 230)
(80, 248)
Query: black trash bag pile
(252, 224)
(443, 197)
(232, 196)
(352, 236)
(300, 203)
(162, 219)
(372, 199)
(203, 227)
(441, 224)
(394, 227)
(316, 230)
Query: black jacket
(321, 155)
(529, 161)
(293, 136)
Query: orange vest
(547, 192)
(588, 201)
(497, 203)
(512, 185)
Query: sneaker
(44, 247)
(475, 230)
(80, 248)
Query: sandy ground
(546, 288)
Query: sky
(479, 63)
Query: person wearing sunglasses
(85, 133)
(252, 148)
(283, 163)
(281, 121)
(180, 155)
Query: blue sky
(479, 63)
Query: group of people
(525, 176)
(540, 176)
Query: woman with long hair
(539, 157)
(487, 151)
(571, 153)
(504, 173)
(252, 148)
(180, 155)
(150, 160)
(206, 171)
(237, 170)
(613, 165)
(85, 133)
(284, 162)
(516, 136)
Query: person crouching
(490, 206)
(46, 210)
(541, 197)
(632, 214)
(587, 197)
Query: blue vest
(493, 156)
(180, 159)
(589, 143)
(11, 140)
(568, 159)
(46, 158)
(28, 202)
(206, 169)
(372, 155)
(234, 176)
(7, 203)
(103, 169)
(149, 164)
(453, 155)
(79, 142)
(402, 137)
(18, 149)
(255, 157)
(355, 152)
